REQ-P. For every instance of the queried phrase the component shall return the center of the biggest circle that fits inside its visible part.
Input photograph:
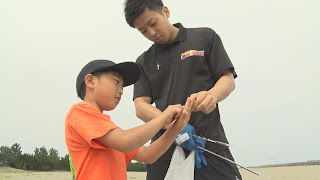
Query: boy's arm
(206, 101)
(128, 140)
(145, 111)
(151, 153)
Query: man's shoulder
(145, 54)
(204, 31)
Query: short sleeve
(142, 87)
(130, 155)
(90, 123)
(218, 58)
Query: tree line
(43, 160)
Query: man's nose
(152, 32)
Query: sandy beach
(275, 173)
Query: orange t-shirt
(91, 160)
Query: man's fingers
(200, 97)
(203, 104)
(209, 108)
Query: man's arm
(144, 110)
(206, 101)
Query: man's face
(155, 25)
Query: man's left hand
(204, 101)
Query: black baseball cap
(129, 71)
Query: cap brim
(129, 71)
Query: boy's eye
(144, 31)
(116, 81)
(154, 23)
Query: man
(182, 62)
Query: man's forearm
(223, 87)
(146, 111)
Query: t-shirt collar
(181, 36)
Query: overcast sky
(273, 44)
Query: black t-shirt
(194, 62)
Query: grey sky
(274, 46)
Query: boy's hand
(172, 112)
(184, 118)
(204, 102)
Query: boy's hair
(134, 8)
(82, 92)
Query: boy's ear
(89, 80)
(165, 11)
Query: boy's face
(155, 26)
(108, 90)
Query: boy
(99, 148)
(183, 62)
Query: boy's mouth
(118, 98)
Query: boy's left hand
(184, 118)
(204, 102)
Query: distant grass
(8, 173)
(4, 169)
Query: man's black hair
(134, 8)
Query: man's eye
(144, 31)
(117, 81)
(154, 23)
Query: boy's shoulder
(83, 107)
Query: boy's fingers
(188, 105)
(177, 111)
(183, 115)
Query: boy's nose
(121, 91)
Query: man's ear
(90, 81)
(165, 11)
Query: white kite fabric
(181, 168)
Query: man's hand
(204, 101)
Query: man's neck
(174, 34)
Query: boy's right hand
(172, 112)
